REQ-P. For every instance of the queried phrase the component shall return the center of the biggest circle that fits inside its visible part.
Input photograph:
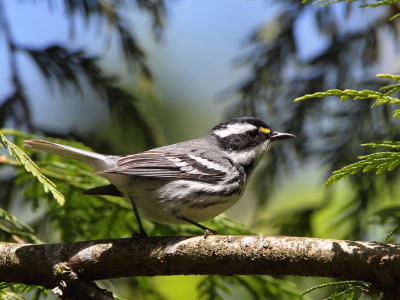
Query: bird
(188, 182)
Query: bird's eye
(253, 134)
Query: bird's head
(246, 139)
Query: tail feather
(95, 160)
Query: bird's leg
(207, 231)
(142, 233)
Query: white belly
(164, 200)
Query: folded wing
(161, 164)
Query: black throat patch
(249, 167)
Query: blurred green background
(126, 76)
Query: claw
(208, 232)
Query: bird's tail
(95, 160)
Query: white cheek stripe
(234, 129)
(246, 156)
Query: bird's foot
(208, 232)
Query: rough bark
(62, 266)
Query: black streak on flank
(233, 180)
(237, 190)
(207, 204)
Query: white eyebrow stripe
(234, 129)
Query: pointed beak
(276, 136)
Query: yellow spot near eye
(265, 130)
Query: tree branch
(47, 264)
